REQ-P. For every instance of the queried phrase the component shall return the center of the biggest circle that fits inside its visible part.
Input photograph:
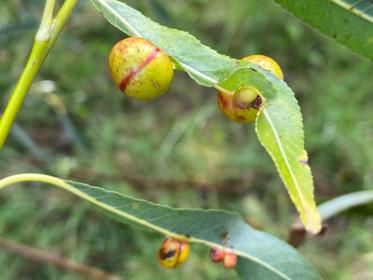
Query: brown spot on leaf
(304, 158)
(223, 236)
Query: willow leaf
(280, 130)
(205, 66)
(209, 68)
(261, 256)
(349, 22)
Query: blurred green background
(179, 150)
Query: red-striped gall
(140, 69)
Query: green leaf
(261, 256)
(204, 65)
(349, 22)
(280, 130)
(209, 68)
(344, 202)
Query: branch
(41, 256)
(44, 40)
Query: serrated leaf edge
(309, 221)
(138, 34)
(201, 75)
(34, 177)
(351, 9)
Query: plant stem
(32, 177)
(44, 40)
(45, 257)
(46, 21)
(60, 20)
(33, 65)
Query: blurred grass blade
(280, 130)
(209, 68)
(344, 202)
(25, 140)
(261, 256)
(349, 22)
(72, 132)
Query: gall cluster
(174, 252)
(143, 71)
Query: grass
(188, 139)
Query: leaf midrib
(279, 144)
(167, 232)
(212, 80)
(203, 76)
(31, 177)
(356, 12)
(129, 26)
(138, 34)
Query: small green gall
(241, 106)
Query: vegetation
(178, 150)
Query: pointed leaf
(261, 256)
(203, 64)
(349, 22)
(280, 130)
(209, 68)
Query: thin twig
(44, 40)
(44, 257)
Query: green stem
(57, 182)
(46, 21)
(44, 41)
(61, 18)
(32, 177)
(33, 65)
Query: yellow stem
(44, 40)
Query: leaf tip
(312, 221)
